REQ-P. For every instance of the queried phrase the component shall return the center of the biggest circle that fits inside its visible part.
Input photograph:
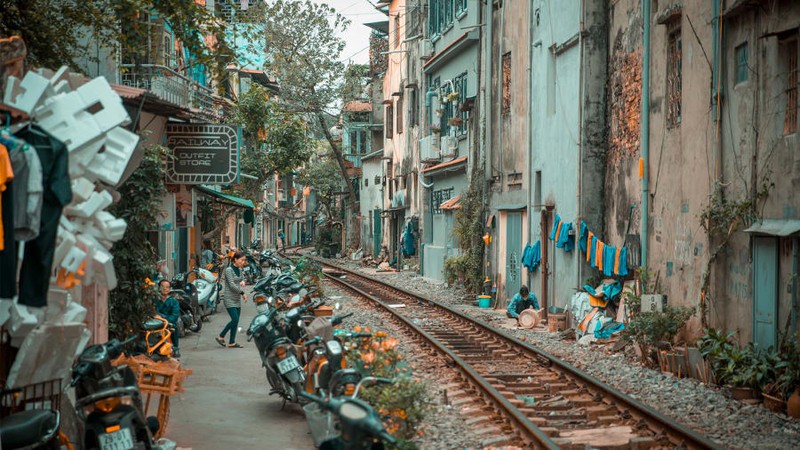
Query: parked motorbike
(324, 357)
(278, 354)
(155, 340)
(108, 401)
(207, 291)
(33, 429)
(346, 422)
(186, 294)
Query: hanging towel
(556, 228)
(609, 253)
(590, 248)
(601, 248)
(583, 237)
(536, 255)
(622, 262)
(563, 234)
(616, 261)
(526, 255)
(593, 252)
(569, 242)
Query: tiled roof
(453, 203)
(445, 164)
(357, 107)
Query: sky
(357, 35)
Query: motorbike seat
(27, 427)
(153, 324)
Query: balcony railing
(169, 85)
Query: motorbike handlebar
(336, 320)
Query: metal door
(513, 252)
(765, 291)
(376, 232)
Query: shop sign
(202, 154)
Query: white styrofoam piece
(66, 224)
(104, 269)
(82, 188)
(109, 165)
(113, 113)
(72, 261)
(57, 300)
(75, 313)
(97, 201)
(64, 116)
(66, 240)
(88, 244)
(23, 320)
(114, 229)
(47, 353)
(28, 94)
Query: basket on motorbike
(320, 423)
(323, 311)
(44, 395)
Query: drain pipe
(581, 87)
(795, 257)
(645, 130)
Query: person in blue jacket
(520, 302)
(169, 308)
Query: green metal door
(376, 231)
(765, 291)
(513, 252)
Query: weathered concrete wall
(371, 199)
(757, 153)
(510, 119)
(439, 241)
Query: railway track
(545, 402)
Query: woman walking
(232, 295)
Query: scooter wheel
(196, 326)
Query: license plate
(287, 365)
(118, 440)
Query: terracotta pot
(742, 393)
(774, 404)
(793, 404)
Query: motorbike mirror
(303, 292)
(295, 299)
(300, 323)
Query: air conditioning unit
(653, 302)
(449, 145)
(427, 47)
(429, 148)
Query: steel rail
(523, 424)
(690, 438)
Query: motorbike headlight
(353, 411)
(271, 300)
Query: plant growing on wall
(134, 258)
(721, 218)
(469, 231)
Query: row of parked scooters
(302, 351)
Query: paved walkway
(225, 405)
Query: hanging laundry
(590, 248)
(621, 263)
(563, 240)
(38, 259)
(556, 228)
(6, 176)
(609, 253)
(593, 251)
(598, 258)
(28, 187)
(583, 236)
(532, 256)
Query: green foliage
(309, 271)
(788, 367)
(277, 141)
(59, 33)
(651, 329)
(134, 258)
(356, 79)
(402, 404)
(323, 175)
(455, 268)
(748, 366)
(469, 231)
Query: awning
(453, 203)
(775, 227)
(225, 198)
(512, 207)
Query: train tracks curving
(542, 400)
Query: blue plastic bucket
(484, 301)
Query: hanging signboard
(202, 153)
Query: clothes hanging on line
(554, 233)
(564, 240)
(532, 256)
(28, 181)
(584, 236)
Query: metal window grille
(742, 61)
(399, 113)
(790, 120)
(674, 82)
(389, 125)
(506, 83)
(439, 197)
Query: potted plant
(455, 121)
(453, 96)
(435, 129)
(439, 112)
(454, 269)
(788, 380)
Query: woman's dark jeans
(233, 325)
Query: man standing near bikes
(169, 308)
